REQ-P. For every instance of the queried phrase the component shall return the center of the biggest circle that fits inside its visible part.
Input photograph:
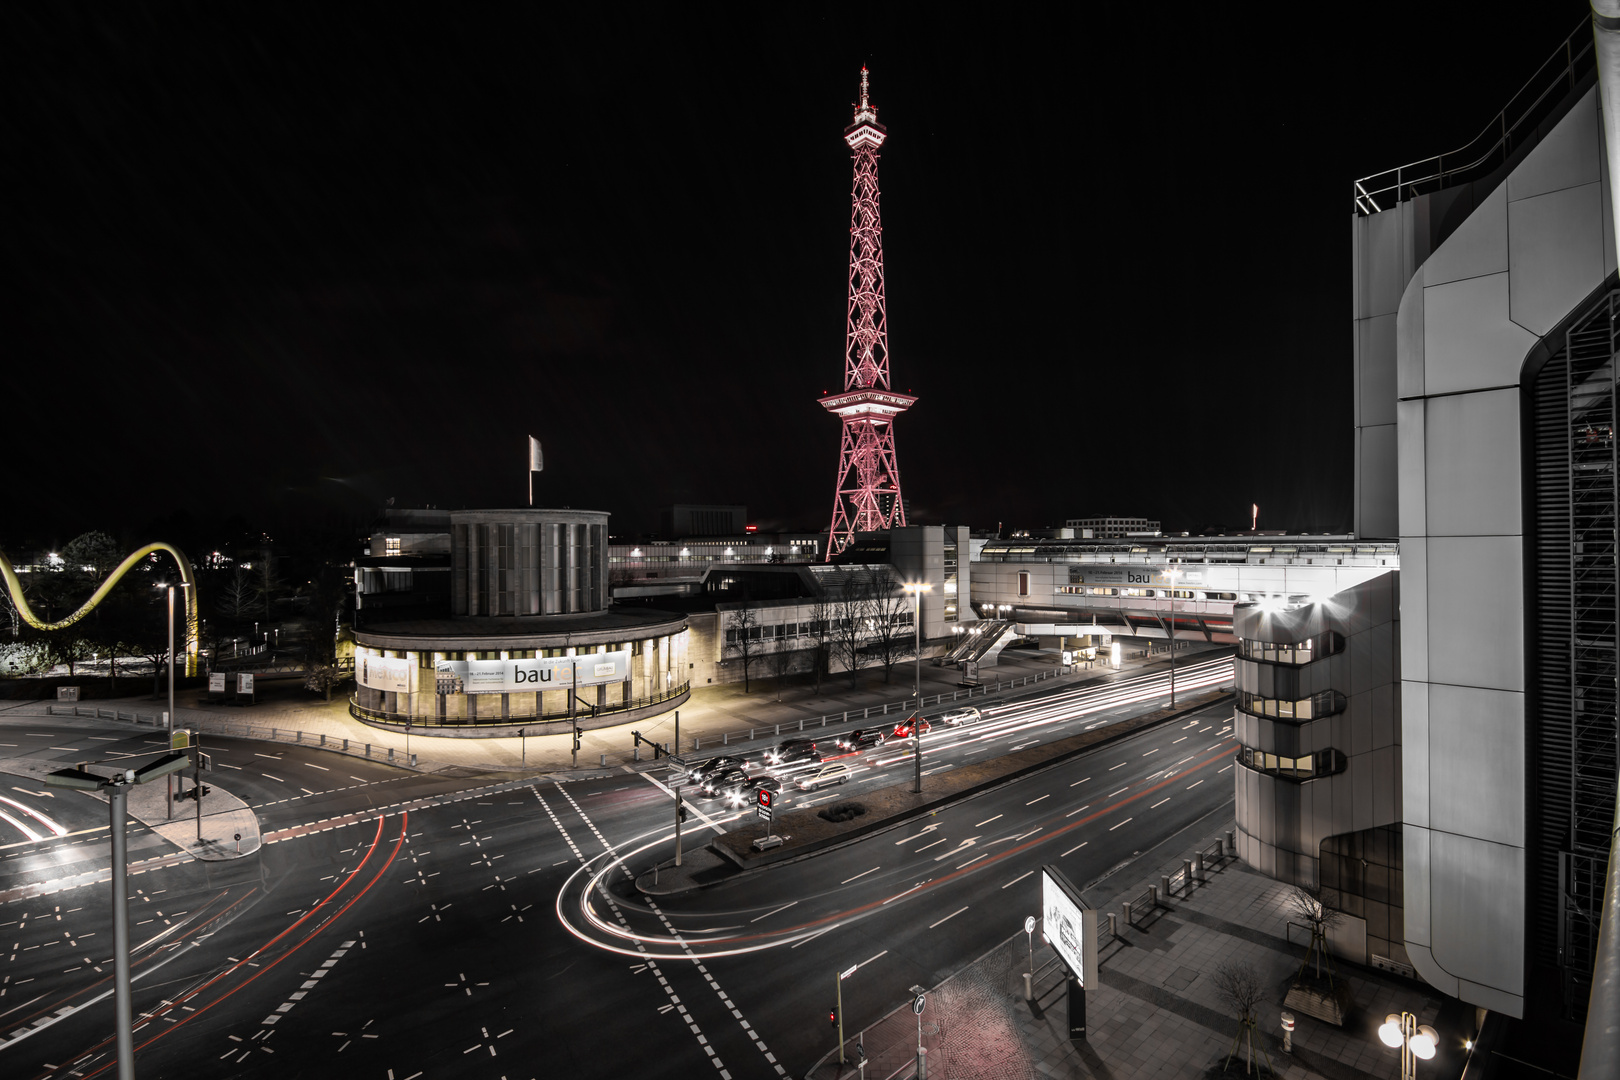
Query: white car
(835, 773)
(957, 717)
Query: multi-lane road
(404, 926)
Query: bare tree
(1309, 909)
(822, 613)
(1240, 987)
(893, 636)
(851, 626)
(239, 599)
(742, 637)
(781, 661)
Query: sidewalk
(711, 711)
(1157, 1013)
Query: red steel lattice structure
(867, 496)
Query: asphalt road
(406, 926)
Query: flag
(535, 464)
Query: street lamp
(1415, 1040)
(916, 590)
(117, 788)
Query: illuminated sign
(527, 676)
(389, 674)
(244, 684)
(1131, 575)
(1068, 925)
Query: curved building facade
(532, 640)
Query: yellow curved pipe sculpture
(14, 586)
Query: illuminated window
(1307, 767)
(391, 545)
(1294, 652)
(1326, 703)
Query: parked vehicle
(715, 783)
(903, 730)
(791, 751)
(836, 772)
(957, 717)
(861, 738)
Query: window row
(1325, 703)
(1167, 594)
(809, 628)
(1327, 643)
(1308, 767)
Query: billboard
(1068, 925)
(389, 674)
(526, 676)
(216, 682)
(1131, 575)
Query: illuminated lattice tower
(868, 490)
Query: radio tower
(868, 492)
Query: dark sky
(288, 261)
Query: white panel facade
(1473, 456)
(1468, 340)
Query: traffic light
(680, 811)
(832, 1016)
(576, 738)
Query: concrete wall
(1531, 251)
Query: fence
(216, 726)
(587, 711)
(865, 713)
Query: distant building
(687, 519)
(1109, 528)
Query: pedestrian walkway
(711, 714)
(1157, 1013)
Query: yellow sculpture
(14, 586)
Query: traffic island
(812, 830)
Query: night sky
(289, 262)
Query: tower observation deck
(867, 496)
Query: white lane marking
(1111, 794)
(768, 914)
(949, 917)
(690, 805)
(1191, 786)
(987, 821)
(312, 765)
(860, 875)
(898, 895)
(1121, 765)
(1224, 770)
(1158, 804)
(1076, 848)
(272, 757)
(973, 860)
(1017, 879)
(936, 843)
(277, 779)
(1077, 783)
(809, 939)
(1184, 738)
(1155, 750)
(1032, 802)
(1071, 813)
(879, 956)
(1127, 821)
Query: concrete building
(1112, 528)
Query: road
(407, 926)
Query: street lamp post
(916, 590)
(1415, 1040)
(117, 788)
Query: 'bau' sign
(528, 676)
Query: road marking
(1017, 879)
(1111, 794)
(272, 757)
(1071, 813)
(277, 779)
(936, 843)
(1032, 802)
(768, 914)
(860, 875)
(1076, 848)
(949, 917)
(1184, 738)
(312, 765)
(1121, 765)
(1223, 770)
(973, 860)
(809, 939)
(1191, 786)
(1158, 804)
(879, 956)
(1077, 783)
(987, 821)
(1127, 821)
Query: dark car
(861, 738)
(715, 783)
(902, 730)
(792, 751)
(696, 774)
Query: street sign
(244, 683)
(180, 739)
(918, 1005)
(846, 974)
(216, 682)
(1029, 924)
(765, 797)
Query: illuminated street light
(1415, 1040)
(916, 592)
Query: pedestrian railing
(214, 725)
(1142, 903)
(848, 716)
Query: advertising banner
(1069, 926)
(527, 676)
(244, 684)
(389, 674)
(1131, 575)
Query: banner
(244, 684)
(390, 674)
(527, 676)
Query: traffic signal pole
(677, 824)
(841, 1061)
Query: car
(715, 783)
(957, 717)
(836, 772)
(737, 789)
(746, 793)
(791, 751)
(902, 730)
(697, 773)
(861, 738)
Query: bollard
(1186, 876)
(390, 755)
(750, 734)
(846, 716)
(635, 752)
(1198, 865)
(323, 738)
(345, 745)
(725, 738)
(1231, 842)
(778, 729)
(1126, 908)
(1288, 1032)
(1029, 986)
(1113, 926)
(1164, 888)
(603, 759)
(413, 761)
(368, 749)
(1153, 896)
